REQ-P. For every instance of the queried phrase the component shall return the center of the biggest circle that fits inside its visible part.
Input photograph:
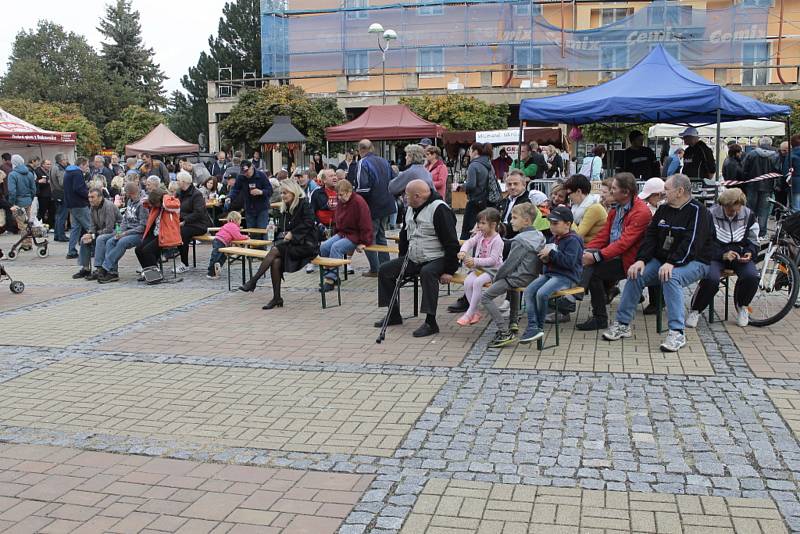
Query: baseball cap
(689, 132)
(652, 186)
(425, 142)
(537, 197)
(561, 213)
(245, 165)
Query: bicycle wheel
(776, 294)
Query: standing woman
(296, 243)
(555, 164)
(732, 167)
(316, 163)
(477, 185)
(194, 217)
(437, 168)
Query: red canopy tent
(384, 123)
(21, 137)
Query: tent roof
(15, 129)
(161, 140)
(384, 122)
(282, 131)
(745, 128)
(657, 89)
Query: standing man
(57, 187)
(101, 169)
(219, 166)
(256, 189)
(526, 163)
(155, 167)
(640, 160)
(350, 166)
(373, 177)
(76, 201)
(759, 161)
(675, 253)
(45, 192)
(430, 240)
(116, 168)
(258, 163)
(698, 159)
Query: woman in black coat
(297, 242)
(194, 217)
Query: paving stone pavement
(151, 385)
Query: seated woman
(589, 214)
(194, 217)
(735, 247)
(353, 224)
(209, 189)
(296, 243)
(162, 229)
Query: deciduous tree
(459, 112)
(134, 123)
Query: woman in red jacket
(163, 228)
(353, 224)
(437, 168)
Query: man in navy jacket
(257, 190)
(76, 201)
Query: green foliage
(51, 65)
(459, 112)
(57, 117)
(254, 113)
(237, 45)
(608, 133)
(125, 55)
(794, 115)
(134, 123)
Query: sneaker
(217, 269)
(674, 342)
(83, 273)
(350, 270)
(108, 278)
(514, 328)
(692, 319)
(502, 338)
(310, 268)
(182, 268)
(464, 320)
(562, 318)
(743, 316)
(593, 323)
(532, 333)
(617, 331)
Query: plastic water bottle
(270, 232)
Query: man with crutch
(429, 243)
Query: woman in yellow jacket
(589, 214)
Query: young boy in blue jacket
(563, 266)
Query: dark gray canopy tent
(282, 132)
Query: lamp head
(390, 35)
(375, 28)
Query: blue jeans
(538, 293)
(376, 259)
(216, 255)
(100, 244)
(81, 221)
(256, 220)
(758, 202)
(682, 277)
(795, 200)
(335, 247)
(61, 221)
(115, 249)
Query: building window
(356, 63)
(614, 14)
(356, 4)
(756, 3)
(756, 55)
(429, 10)
(523, 9)
(669, 14)
(613, 57)
(527, 62)
(430, 61)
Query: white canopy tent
(27, 140)
(745, 128)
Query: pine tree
(237, 45)
(126, 56)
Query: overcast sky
(176, 30)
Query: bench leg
(230, 260)
(243, 260)
(194, 253)
(339, 284)
(322, 286)
(416, 296)
(727, 291)
(659, 299)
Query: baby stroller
(38, 234)
(16, 286)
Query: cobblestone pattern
(446, 507)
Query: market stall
(20, 137)
(282, 132)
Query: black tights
(272, 262)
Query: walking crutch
(396, 293)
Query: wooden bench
(244, 255)
(330, 263)
(383, 248)
(724, 280)
(555, 298)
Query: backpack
(493, 196)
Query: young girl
(229, 232)
(488, 245)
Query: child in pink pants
(482, 254)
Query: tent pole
(519, 145)
(719, 148)
(327, 149)
(789, 157)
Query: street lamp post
(384, 36)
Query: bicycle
(779, 279)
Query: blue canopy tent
(657, 89)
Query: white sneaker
(310, 268)
(617, 331)
(692, 319)
(350, 270)
(742, 316)
(182, 268)
(674, 342)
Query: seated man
(129, 235)
(612, 251)
(430, 240)
(675, 252)
(735, 247)
(104, 216)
